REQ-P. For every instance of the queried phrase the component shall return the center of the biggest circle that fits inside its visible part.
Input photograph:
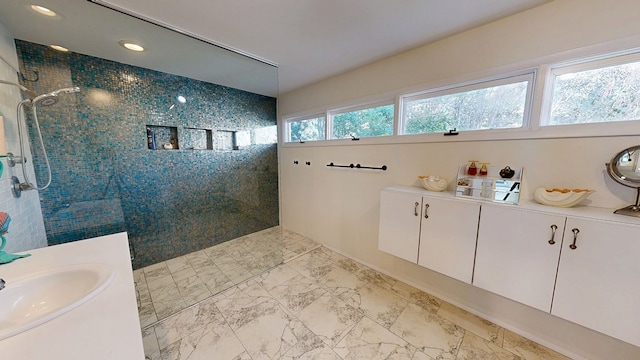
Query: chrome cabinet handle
(575, 237)
(426, 209)
(554, 227)
(415, 209)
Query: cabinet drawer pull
(415, 209)
(554, 227)
(575, 237)
(426, 212)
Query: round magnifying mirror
(624, 168)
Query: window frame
(286, 131)
(538, 101)
(505, 79)
(580, 65)
(369, 105)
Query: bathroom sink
(33, 300)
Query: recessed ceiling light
(59, 48)
(130, 45)
(43, 10)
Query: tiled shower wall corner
(106, 179)
(26, 230)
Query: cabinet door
(598, 282)
(448, 236)
(399, 224)
(515, 258)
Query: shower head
(52, 97)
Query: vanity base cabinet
(448, 236)
(518, 254)
(434, 232)
(598, 284)
(399, 225)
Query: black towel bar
(358, 166)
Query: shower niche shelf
(197, 139)
(159, 137)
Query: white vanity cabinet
(433, 231)
(598, 284)
(448, 236)
(518, 252)
(580, 264)
(399, 226)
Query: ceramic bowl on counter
(560, 197)
(433, 183)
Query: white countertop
(105, 327)
(587, 212)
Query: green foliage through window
(307, 130)
(601, 95)
(495, 107)
(376, 121)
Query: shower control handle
(12, 160)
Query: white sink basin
(31, 301)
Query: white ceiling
(309, 40)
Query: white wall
(26, 230)
(339, 207)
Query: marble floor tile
(156, 271)
(430, 333)
(147, 314)
(218, 283)
(330, 318)
(368, 340)
(375, 277)
(220, 344)
(206, 272)
(382, 306)
(340, 282)
(474, 347)
(527, 349)
(417, 297)
(297, 293)
(218, 267)
(289, 255)
(161, 284)
(168, 306)
(264, 328)
(246, 304)
(311, 266)
(177, 264)
(188, 321)
(193, 290)
(310, 349)
(183, 272)
(138, 276)
(150, 344)
(276, 276)
(475, 324)
(345, 263)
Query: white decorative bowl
(433, 183)
(560, 197)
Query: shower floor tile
(168, 287)
(321, 305)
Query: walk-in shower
(105, 178)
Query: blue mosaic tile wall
(106, 179)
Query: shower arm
(12, 159)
